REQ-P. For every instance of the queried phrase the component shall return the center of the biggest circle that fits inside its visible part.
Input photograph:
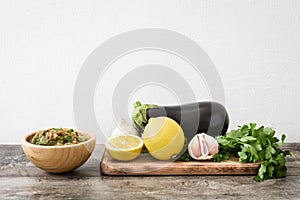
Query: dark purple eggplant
(200, 117)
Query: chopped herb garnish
(57, 136)
(80, 139)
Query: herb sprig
(251, 144)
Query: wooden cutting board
(146, 165)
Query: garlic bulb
(203, 147)
(123, 128)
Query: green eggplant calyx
(139, 115)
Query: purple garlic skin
(203, 147)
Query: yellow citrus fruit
(163, 138)
(124, 147)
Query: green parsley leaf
(253, 144)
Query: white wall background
(255, 46)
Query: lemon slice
(124, 147)
(163, 138)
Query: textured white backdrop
(255, 46)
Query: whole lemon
(163, 138)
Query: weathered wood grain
(19, 179)
(146, 165)
(160, 187)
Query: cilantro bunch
(250, 145)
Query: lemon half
(124, 147)
(163, 137)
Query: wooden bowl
(59, 159)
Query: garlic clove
(195, 147)
(202, 147)
(212, 144)
(214, 149)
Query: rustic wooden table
(19, 179)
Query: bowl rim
(92, 138)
